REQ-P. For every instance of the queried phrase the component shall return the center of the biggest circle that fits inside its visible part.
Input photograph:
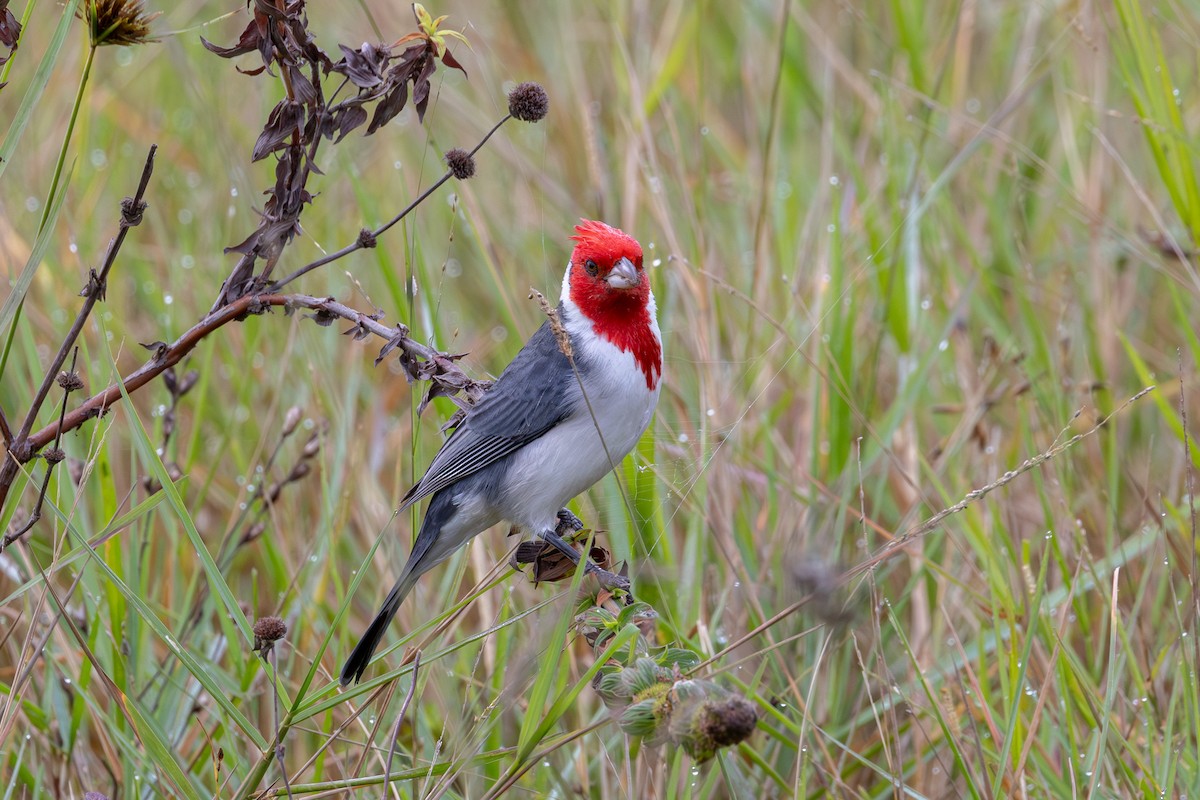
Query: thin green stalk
(54, 181)
(62, 153)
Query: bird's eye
(591, 267)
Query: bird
(556, 421)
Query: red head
(607, 284)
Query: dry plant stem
(367, 238)
(5, 430)
(1190, 483)
(279, 747)
(22, 446)
(172, 354)
(412, 690)
(37, 509)
(928, 526)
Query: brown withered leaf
(322, 317)
(549, 564)
(248, 42)
(391, 344)
(283, 123)
(158, 348)
(358, 331)
(421, 87)
(450, 61)
(391, 105)
(343, 120)
(302, 87)
(364, 66)
(10, 29)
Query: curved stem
(362, 241)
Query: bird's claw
(609, 580)
(567, 522)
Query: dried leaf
(392, 104)
(10, 29)
(397, 339)
(452, 62)
(364, 67)
(283, 123)
(248, 42)
(344, 120)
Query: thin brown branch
(21, 447)
(5, 430)
(53, 456)
(412, 690)
(327, 309)
(367, 237)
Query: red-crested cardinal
(548, 429)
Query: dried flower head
(70, 381)
(116, 22)
(528, 102)
(729, 721)
(268, 631)
(53, 455)
(461, 163)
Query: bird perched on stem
(569, 407)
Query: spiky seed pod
(461, 163)
(528, 102)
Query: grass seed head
(116, 22)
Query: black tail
(356, 664)
(424, 557)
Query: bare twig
(366, 238)
(5, 430)
(53, 456)
(279, 745)
(21, 447)
(412, 690)
(327, 309)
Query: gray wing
(531, 396)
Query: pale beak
(623, 275)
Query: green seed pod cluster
(660, 705)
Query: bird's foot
(568, 523)
(554, 558)
(609, 580)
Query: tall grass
(898, 249)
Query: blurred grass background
(898, 248)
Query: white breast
(545, 475)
